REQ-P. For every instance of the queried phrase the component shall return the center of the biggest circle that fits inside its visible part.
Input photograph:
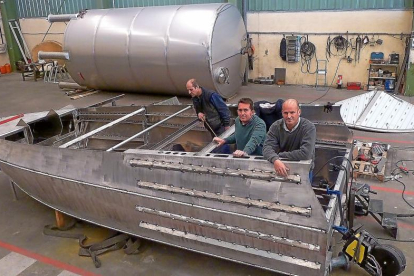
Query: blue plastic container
(389, 85)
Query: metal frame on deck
(149, 128)
(89, 134)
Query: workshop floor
(24, 250)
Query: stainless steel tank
(157, 49)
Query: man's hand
(201, 116)
(219, 141)
(280, 168)
(239, 153)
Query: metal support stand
(55, 73)
(374, 207)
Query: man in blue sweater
(250, 131)
(210, 108)
(291, 138)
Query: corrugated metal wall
(42, 8)
(146, 3)
(314, 5)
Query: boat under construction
(150, 171)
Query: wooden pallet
(366, 168)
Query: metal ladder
(321, 72)
(14, 25)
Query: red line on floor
(11, 119)
(46, 260)
(400, 224)
(391, 190)
(376, 139)
(405, 225)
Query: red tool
(403, 169)
(363, 157)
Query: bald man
(291, 138)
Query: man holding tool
(210, 108)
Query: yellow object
(352, 248)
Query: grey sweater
(295, 146)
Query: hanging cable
(346, 171)
(337, 46)
(307, 53)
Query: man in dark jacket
(210, 108)
(291, 138)
(250, 131)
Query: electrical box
(292, 48)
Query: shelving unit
(382, 76)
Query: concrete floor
(22, 221)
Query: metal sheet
(378, 111)
(13, 127)
(232, 208)
(330, 128)
(80, 181)
(157, 49)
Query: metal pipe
(110, 100)
(244, 11)
(210, 147)
(86, 135)
(149, 128)
(61, 17)
(71, 85)
(53, 55)
(339, 262)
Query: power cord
(402, 195)
(343, 167)
(330, 86)
(307, 53)
(395, 178)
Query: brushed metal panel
(378, 111)
(157, 49)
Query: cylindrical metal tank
(157, 49)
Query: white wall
(267, 45)
(34, 31)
